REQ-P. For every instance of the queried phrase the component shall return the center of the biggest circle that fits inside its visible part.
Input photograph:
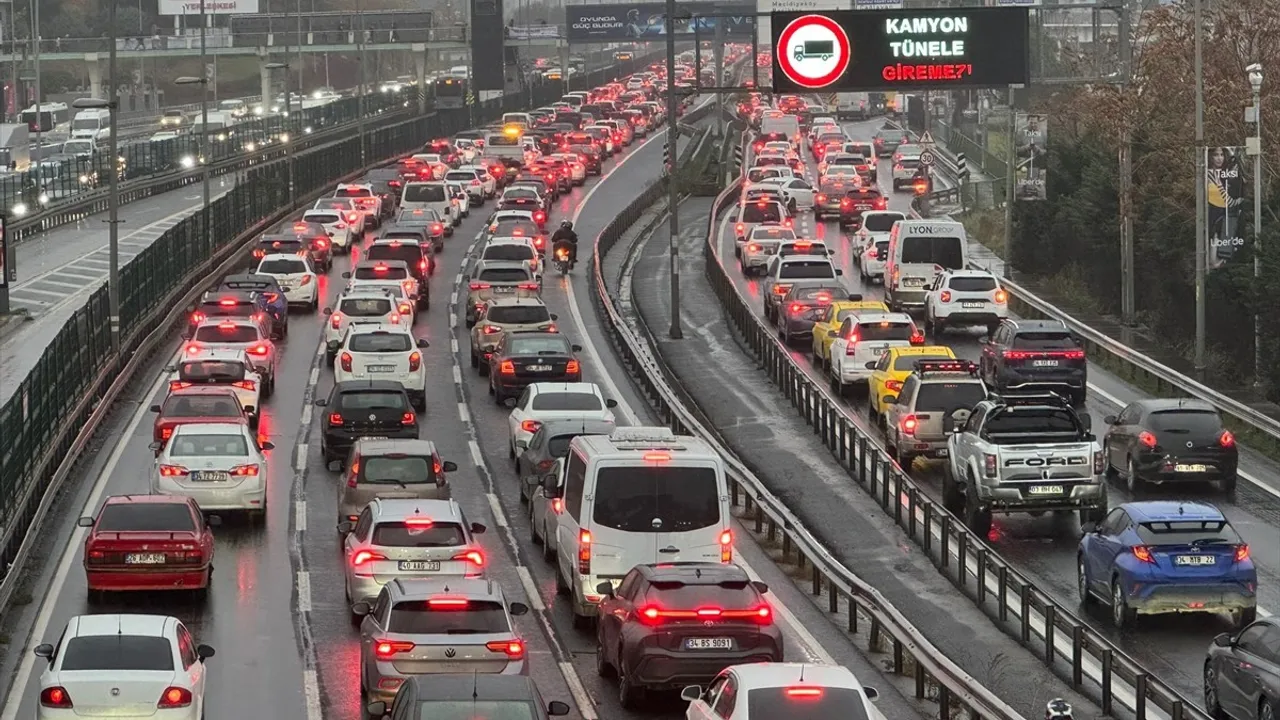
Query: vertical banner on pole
(1224, 199)
(1031, 138)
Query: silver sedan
(219, 465)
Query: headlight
(43, 199)
(20, 209)
(284, 138)
(306, 130)
(188, 162)
(250, 147)
(84, 179)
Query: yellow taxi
(832, 318)
(893, 368)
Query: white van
(788, 125)
(91, 125)
(432, 195)
(919, 250)
(641, 495)
(517, 118)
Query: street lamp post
(204, 156)
(286, 136)
(1255, 149)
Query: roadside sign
(813, 51)
(926, 138)
(927, 158)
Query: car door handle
(669, 550)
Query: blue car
(1160, 557)
(269, 294)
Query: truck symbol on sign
(821, 49)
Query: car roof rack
(948, 367)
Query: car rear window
(259, 285)
(187, 406)
(118, 652)
(820, 294)
(910, 163)
(558, 446)
(215, 445)
(460, 176)
(633, 499)
(380, 342)
(351, 192)
(417, 216)
(566, 401)
(943, 251)
(773, 233)
(843, 703)
(282, 266)
(1031, 421)
(1052, 340)
(210, 370)
(804, 270)
(1186, 532)
(973, 284)
(226, 333)
(883, 330)
(400, 534)
(948, 397)
(411, 236)
(383, 272)
(365, 307)
(324, 219)
(756, 213)
(727, 595)
(372, 400)
(425, 193)
(1188, 421)
(145, 517)
(880, 223)
(503, 275)
(282, 245)
(539, 346)
(477, 617)
(409, 252)
(396, 469)
(508, 251)
(518, 314)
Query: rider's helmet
(567, 225)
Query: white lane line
(300, 457)
(41, 628)
(311, 688)
(453, 345)
(580, 696)
(498, 515)
(321, 350)
(457, 375)
(300, 516)
(476, 457)
(305, 420)
(315, 376)
(530, 589)
(304, 591)
(453, 298)
(463, 413)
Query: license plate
(1194, 560)
(144, 559)
(503, 290)
(382, 368)
(1044, 363)
(708, 643)
(972, 304)
(538, 368)
(913, 282)
(420, 565)
(1197, 468)
(1044, 490)
(942, 453)
(210, 476)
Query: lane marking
(300, 457)
(315, 376)
(311, 688)
(530, 588)
(475, 452)
(498, 516)
(304, 591)
(305, 420)
(463, 413)
(300, 516)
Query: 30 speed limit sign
(813, 51)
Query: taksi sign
(813, 51)
(909, 49)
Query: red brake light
(917, 337)
(894, 385)
(1147, 439)
(528, 286)
(909, 424)
(1143, 553)
(506, 367)
(257, 350)
(55, 697)
(408, 419)
(945, 296)
(1242, 553)
(387, 649)
(415, 361)
(572, 367)
(405, 308)
(513, 648)
(365, 557)
(335, 419)
(804, 692)
(1227, 440)
(447, 602)
(245, 384)
(475, 557)
(530, 425)
(873, 254)
(584, 552)
(726, 546)
(172, 471)
(480, 286)
(178, 385)
(1002, 297)
(336, 321)
(345, 359)
(797, 308)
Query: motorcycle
(562, 260)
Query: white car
(404, 302)
(376, 352)
(863, 338)
(960, 298)
(246, 334)
(462, 200)
(794, 189)
(224, 367)
(340, 232)
(872, 261)
(84, 669)
(520, 249)
(577, 169)
(164, 135)
(359, 306)
(487, 181)
(365, 198)
(762, 243)
(876, 225)
(466, 149)
(906, 160)
(219, 465)
(826, 691)
(299, 282)
(351, 212)
(555, 401)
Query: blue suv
(269, 294)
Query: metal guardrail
(911, 651)
(1090, 662)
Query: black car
(1035, 356)
(409, 251)
(1242, 672)
(804, 305)
(1170, 441)
(859, 200)
(550, 442)
(234, 304)
(427, 697)
(279, 245)
(270, 296)
(386, 184)
(420, 234)
(364, 408)
(524, 358)
(590, 157)
(670, 625)
(427, 219)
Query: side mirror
(477, 529)
(249, 409)
(155, 408)
(871, 365)
(449, 466)
(556, 708)
(839, 271)
(204, 652)
(855, 297)
(376, 709)
(361, 609)
(345, 527)
(555, 316)
(268, 446)
(322, 402)
(1089, 528)
(346, 276)
(155, 446)
(551, 486)
(691, 693)
(328, 311)
(611, 403)
(171, 368)
(605, 588)
(45, 651)
(871, 693)
(889, 400)
(522, 445)
(509, 402)
(1221, 640)
(760, 586)
(518, 608)
(214, 521)
(422, 343)
(84, 522)
(1110, 419)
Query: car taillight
(797, 308)
(1242, 553)
(989, 465)
(726, 546)
(408, 419)
(893, 385)
(530, 426)
(55, 697)
(572, 367)
(897, 167)
(917, 337)
(881, 203)
(197, 318)
(845, 202)
(306, 280)
(335, 419)
(1147, 439)
(742, 229)
(345, 359)
(245, 384)
(405, 308)
(1143, 553)
(475, 557)
(506, 367)
(909, 425)
(480, 286)
(1226, 439)
(172, 471)
(361, 560)
(336, 321)
(415, 361)
(872, 254)
(539, 217)
(385, 649)
(822, 198)
(804, 693)
(175, 385)
(166, 433)
(259, 350)
(851, 348)
(584, 552)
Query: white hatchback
(361, 306)
(219, 465)
(960, 298)
(295, 276)
(541, 402)
(379, 352)
(339, 230)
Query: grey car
(550, 443)
(434, 626)
(391, 469)
(804, 305)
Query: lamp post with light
(1253, 146)
(286, 137)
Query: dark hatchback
(859, 200)
(386, 184)
(524, 358)
(550, 442)
(364, 409)
(590, 157)
(314, 237)
(279, 245)
(804, 305)
(463, 696)
(410, 252)
(1170, 441)
(671, 625)
(1035, 356)
(234, 304)
(268, 293)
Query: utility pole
(1201, 234)
(1128, 305)
(673, 137)
(1011, 165)
(1255, 149)
(35, 44)
(360, 106)
(113, 195)
(719, 56)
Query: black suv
(234, 304)
(364, 408)
(1035, 355)
(526, 357)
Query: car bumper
(854, 372)
(1163, 469)
(908, 297)
(109, 713)
(351, 510)
(187, 578)
(873, 268)
(798, 329)
(661, 669)
(754, 261)
(304, 295)
(933, 448)
(1019, 381)
(511, 386)
(245, 496)
(382, 680)
(338, 442)
(366, 588)
(1161, 599)
(972, 317)
(1011, 499)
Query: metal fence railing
(55, 410)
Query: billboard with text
(646, 21)
(211, 7)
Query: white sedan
(794, 189)
(555, 401)
(86, 676)
(780, 690)
(219, 465)
(296, 278)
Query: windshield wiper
(461, 631)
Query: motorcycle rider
(566, 238)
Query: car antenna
(801, 672)
(475, 688)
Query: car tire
(603, 668)
(1122, 616)
(484, 369)
(420, 403)
(1245, 616)
(1133, 480)
(1211, 705)
(562, 587)
(952, 492)
(1082, 587)
(629, 696)
(1227, 484)
(977, 519)
(548, 552)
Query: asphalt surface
(1171, 646)
(276, 612)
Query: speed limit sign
(927, 158)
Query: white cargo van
(432, 195)
(919, 250)
(788, 125)
(641, 495)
